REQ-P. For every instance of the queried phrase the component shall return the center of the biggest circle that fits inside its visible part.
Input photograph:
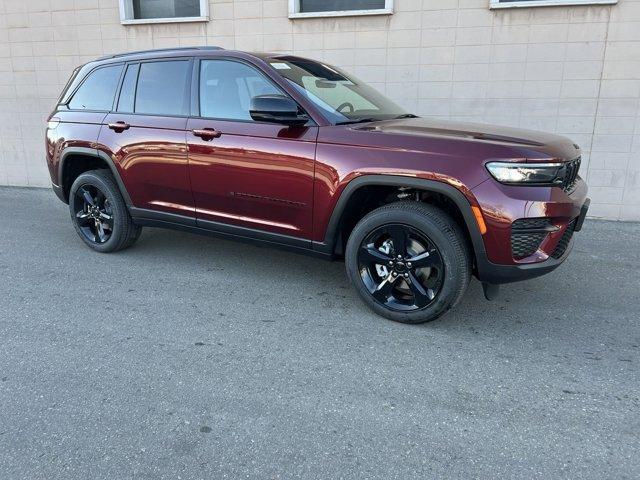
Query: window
(163, 11)
(227, 87)
(336, 93)
(546, 3)
(162, 88)
(342, 98)
(338, 8)
(128, 89)
(97, 90)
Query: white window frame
(126, 15)
(294, 11)
(548, 3)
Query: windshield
(342, 98)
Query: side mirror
(276, 109)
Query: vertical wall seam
(595, 116)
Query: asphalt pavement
(194, 357)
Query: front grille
(525, 223)
(571, 177)
(527, 234)
(564, 240)
(526, 244)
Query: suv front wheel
(99, 213)
(408, 261)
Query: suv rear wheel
(99, 214)
(408, 261)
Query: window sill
(549, 3)
(144, 21)
(342, 13)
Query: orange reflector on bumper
(479, 219)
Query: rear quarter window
(98, 90)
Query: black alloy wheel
(408, 261)
(401, 267)
(94, 213)
(100, 214)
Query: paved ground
(191, 357)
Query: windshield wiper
(369, 119)
(357, 120)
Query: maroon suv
(296, 153)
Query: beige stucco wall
(571, 70)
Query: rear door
(145, 135)
(250, 174)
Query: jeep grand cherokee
(296, 153)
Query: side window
(227, 87)
(97, 90)
(162, 88)
(128, 90)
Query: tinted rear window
(97, 90)
(162, 88)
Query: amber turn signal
(479, 219)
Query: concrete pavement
(192, 357)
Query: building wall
(570, 70)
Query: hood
(534, 144)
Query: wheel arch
(333, 231)
(70, 166)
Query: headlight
(528, 173)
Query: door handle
(207, 133)
(119, 126)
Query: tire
(117, 233)
(433, 240)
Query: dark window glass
(337, 5)
(525, 1)
(226, 89)
(162, 88)
(97, 90)
(541, 3)
(128, 90)
(165, 8)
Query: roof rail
(159, 50)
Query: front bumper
(496, 274)
(502, 205)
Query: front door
(258, 176)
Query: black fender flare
(456, 196)
(93, 152)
